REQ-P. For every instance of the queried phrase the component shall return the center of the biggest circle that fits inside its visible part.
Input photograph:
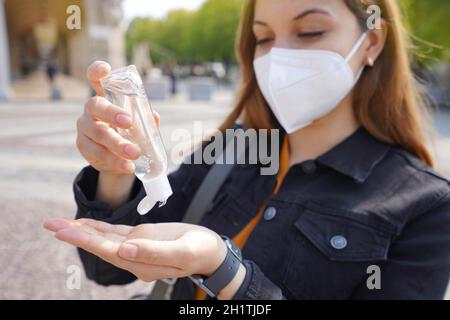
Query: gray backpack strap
(213, 181)
(161, 290)
(206, 193)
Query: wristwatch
(224, 274)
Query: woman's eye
(263, 41)
(311, 34)
(301, 35)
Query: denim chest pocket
(331, 251)
(343, 239)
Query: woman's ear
(377, 39)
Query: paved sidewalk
(36, 87)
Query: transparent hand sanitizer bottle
(124, 88)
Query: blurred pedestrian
(52, 71)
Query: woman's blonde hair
(386, 99)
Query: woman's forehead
(290, 9)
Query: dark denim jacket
(363, 203)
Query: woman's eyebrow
(310, 11)
(298, 17)
(258, 22)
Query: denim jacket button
(270, 213)
(338, 242)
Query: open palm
(149, 251)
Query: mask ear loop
(356, 47)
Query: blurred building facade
(34, 32)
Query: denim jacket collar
(356, 156)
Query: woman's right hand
(102, 146)
(98, 140)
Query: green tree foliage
(207, 34)
(428, 22)
(142, 30)
(213, 31)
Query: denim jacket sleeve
(256, 286)
(184, 182)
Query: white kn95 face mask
(302, 86)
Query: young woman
(355, 212)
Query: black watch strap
(224, 274)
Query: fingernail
(102, 64)
(56, 224)
(128, 250)
(123, 119)
(132, 150)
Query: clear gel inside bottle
(124, 88)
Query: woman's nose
(285, 42)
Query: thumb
(152, 252)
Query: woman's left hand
(149, 251)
